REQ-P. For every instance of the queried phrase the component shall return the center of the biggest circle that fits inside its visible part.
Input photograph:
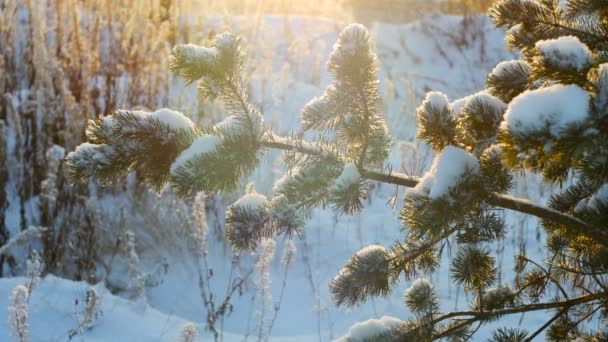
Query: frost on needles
(546, 112)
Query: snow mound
(369, 250)
(231, 125)
(172, 118)
(457, 105)
(200, 146)
(253, 201)
(369, 329)
(566, 52)
(421, 288)
(436, 99)
(350, 174)
(53, 306)
(447, 169)
(194, 53)
(553, 107)
(349, 38)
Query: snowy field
(287, 70)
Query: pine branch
(484, 315)
(509, 202)
(546, 325)
(521, 205)
(451, 330)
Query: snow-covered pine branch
(508, 79)
(132, 140)
(422, 298)
(247, 222)
(547, 110)
(376, 329)
(365, 275)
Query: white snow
(225, 40)
(320, 102)
(348, 40)
(55, 154)
(447, 169)
(281, 182)
(231, 125)
(371, 328)
(87, 149)
(253, 201)
(53, 309)
(419, 288)
(554, 107)
(566, 52)
(436, 100)
(194, 53)
(350, 174)
(107, 121)
(457, 105)
(172, 118)
(487, 99)
(200, 146)
(370, 249)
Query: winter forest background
(125, 263)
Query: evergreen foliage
(546, 113)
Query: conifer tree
(546, 112)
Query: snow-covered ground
(287, 70)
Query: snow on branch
(350, 174)
(550, 109)
(353, 59)
(213, 64)
(371, 329)
(200, 146)
(436, 120)
(566, 52)
(446, 172)
(246, 222)
(508, 79)
(173, 119)
(353, 38)
(421, 297)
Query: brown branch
(521, 205)
(509, 202)
(546, 325)
(483, 315)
